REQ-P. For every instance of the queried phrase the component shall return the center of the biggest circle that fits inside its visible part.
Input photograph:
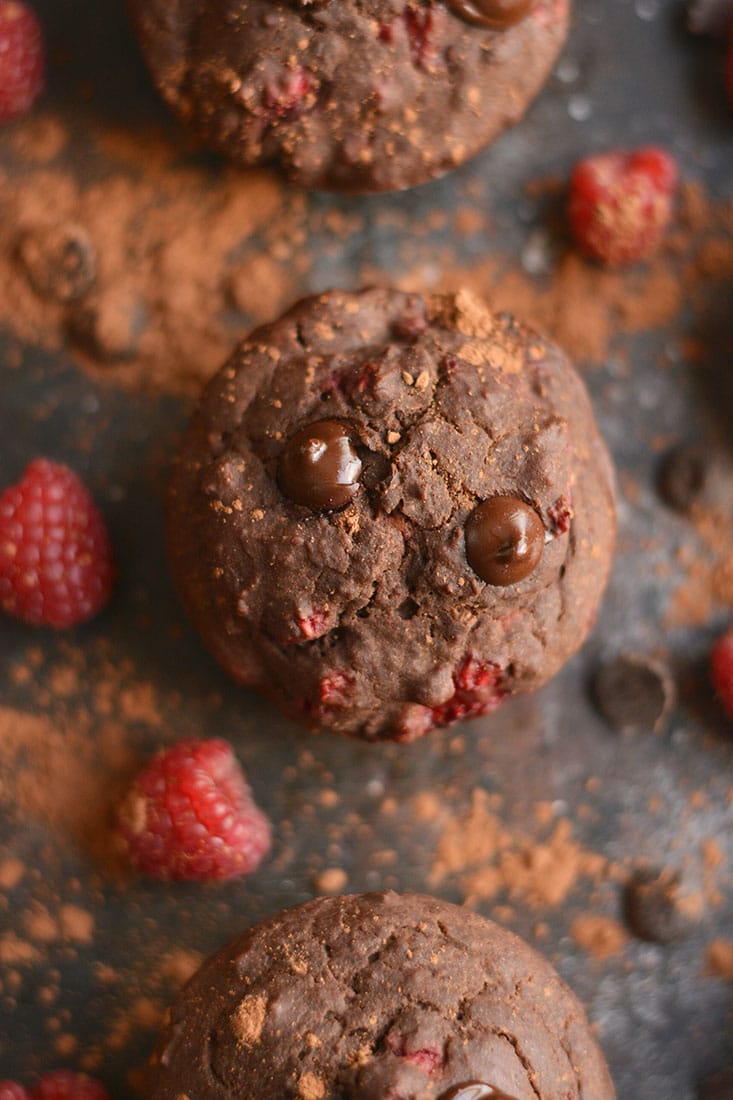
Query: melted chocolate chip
(504, 540)
(491, 13)
(475, 1090)
(319, 466)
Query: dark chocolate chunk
(504, 540)
(59, 260)
(476, 1090)
(492, 13)
(683, 476)
(719, 1087)
(653, 907)
(634, 692)
(319, 466)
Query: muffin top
(361, 95)
(374, 996)
(391, 512)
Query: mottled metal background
(629, 74)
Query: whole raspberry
(190, 815)
(21, 59)
(64, 1084)
(11, 1090)
(721, 668)
(620, 204)
(56, 566)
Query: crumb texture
(370, 620)
(345, 94)
(379, 995)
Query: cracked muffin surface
(374, 996)
(390, 512)
(363, 95)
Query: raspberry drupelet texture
(64, 1084)
(21, 59)
(190, 816)
(60, 1084)
(11, 1090)
(620, 204)
(56, 564)
(721, 667)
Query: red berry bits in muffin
(21, 59)
(190, 816)
(721, 668)
(56, 566)
(620, 204)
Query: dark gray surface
(629, 75)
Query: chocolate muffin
(390, 513)
(373, 996)
(359, 95)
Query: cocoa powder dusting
(600, 936)
(165, 240)
(166, 261)
(189, 258)
(477, 850)
(719, 959)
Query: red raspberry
(190, 815)
(56, 566)
(721, 667)
(11, 1090)
(21, 59)
(620, 204)
(63, 1084)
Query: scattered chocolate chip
(59, 261)
(475, 1090)
(504, 540)
(654, 908)
(634, 692)
(319, 466)
(710, 17)
(683, 475)
(719, 1087)
(492, 13)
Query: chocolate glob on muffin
(390, 512)
(374, 996)
(373, 95)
